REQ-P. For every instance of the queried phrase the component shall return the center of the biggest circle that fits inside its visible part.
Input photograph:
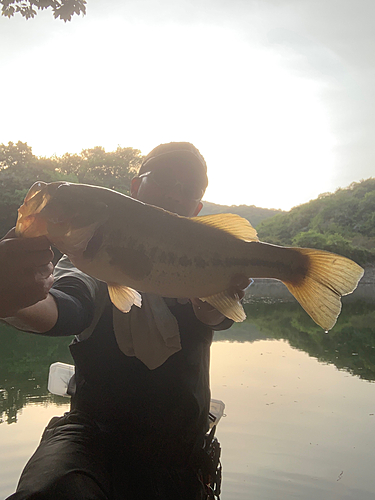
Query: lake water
(300, 405)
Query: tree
(63, 9)
(113, 170)
(19, 169)
(13, 156)
(342, 222)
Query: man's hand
(211, 316)
(25, 272)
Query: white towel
(149, 333)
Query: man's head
(174, 177)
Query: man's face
(173, 187)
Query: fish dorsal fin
(231, 223)
(124, 297)
(227, 305)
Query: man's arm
(211, 316)
(70, 309)
(25, 279)
(38, 318)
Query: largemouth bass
(135, 247)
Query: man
(132, 432)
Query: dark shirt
(163, 412)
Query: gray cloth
(149, 333)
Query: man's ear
(134, 186)
(198, 209)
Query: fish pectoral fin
(78, 238)
(227, 305)
(328, 277)
(231, 223)
(124, 297)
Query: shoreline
(273, 290)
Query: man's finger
(49, 282)
(236, 293)
(36, 259)
(44, 271)
(240, 281)
(39, 288)
(27, 244)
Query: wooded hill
(341, 222)
(253, 214)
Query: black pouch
(210, 466)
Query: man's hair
(182, 152)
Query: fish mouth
(61, 213)
(31, 221)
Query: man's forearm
(38, 318)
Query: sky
(278, 95)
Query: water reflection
(25, 358)
(24, 362)
(295, 427)
(349, 346)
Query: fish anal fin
(329, 276)
(124, 297)
(231, 223)
(227, 305)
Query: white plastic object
(217, 408)
(58, 379)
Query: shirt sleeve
(74, 293)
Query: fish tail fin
(329, 276)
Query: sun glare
(264, 132)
